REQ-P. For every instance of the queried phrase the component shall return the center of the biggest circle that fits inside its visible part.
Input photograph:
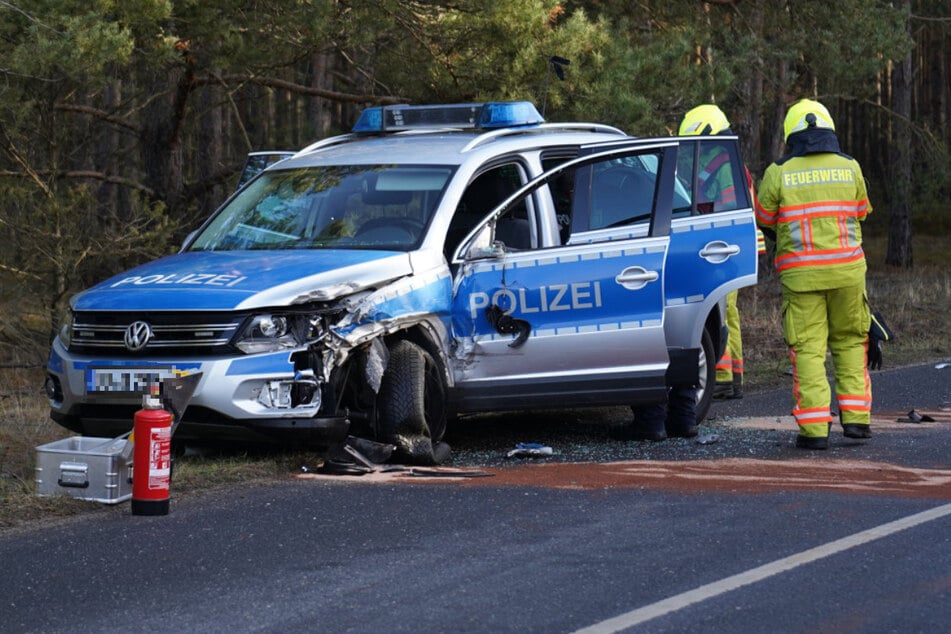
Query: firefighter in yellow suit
(717, 185)
(815, 200)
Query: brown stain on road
(729, 475)
(817, 472)
(733, 475)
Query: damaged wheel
(411, 405)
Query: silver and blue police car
(436, 260)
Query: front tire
(411, 405)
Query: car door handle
(718, 251)
(635, 277)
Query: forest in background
(123, 123)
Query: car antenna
(556, 64)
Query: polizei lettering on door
(544, 299)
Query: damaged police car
(437, 260)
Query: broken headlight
(272, 332)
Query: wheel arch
(427, 338)
(714, 325)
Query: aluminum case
(85, 467)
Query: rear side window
(711, 177)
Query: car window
(622, 191)
(683, 196)
(482, 195)
(372, 207)
(257, 161)
(709, 174)
(598, 194)
(562, 194)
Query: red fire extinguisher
(151, 458)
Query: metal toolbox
(86, 467)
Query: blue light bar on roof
(468, 116)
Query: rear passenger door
(573, 324)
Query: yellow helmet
(798, 118)
(707, 119)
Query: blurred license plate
(126, 381)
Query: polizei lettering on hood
(208, 279)
(544, 299)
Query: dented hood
(238, 280)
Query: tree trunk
(899, 226)
(750, 123)
(210, 148)
(939, 83)
(319, 113)
(775, 143)
(106, 158)
(161, 137)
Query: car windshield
(329, 207)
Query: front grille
(172, 333)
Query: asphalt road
(743, 534)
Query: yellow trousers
(730, 365)
(836, 320)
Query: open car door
(580, 323)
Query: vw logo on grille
(137, 335)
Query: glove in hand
(874, 353)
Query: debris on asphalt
(530, 450)
(360, 457)
(708, 439)
(915, 417)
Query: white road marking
(680, 601)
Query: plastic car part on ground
(529, 450)
(359, 456)
(915, 417)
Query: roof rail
(333, 140)
(583, 127)
(549, 127)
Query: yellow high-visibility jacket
(815, 204)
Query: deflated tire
(411, 406)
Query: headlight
(271, 326)
(275, 332)
(66, 329)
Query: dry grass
(916, 303)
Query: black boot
(812, 442)
(681, 421)
(648, 424)
(722, 391)
(737, 386)
(856, 430)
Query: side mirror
(482, 246)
